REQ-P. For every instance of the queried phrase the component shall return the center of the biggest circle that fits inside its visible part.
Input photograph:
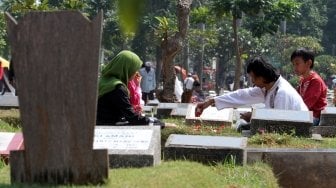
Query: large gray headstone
(210, 116)
(281, 121)
(328, 117)
(130, 146)
(205, 149)
(56, 56)
(298, 167)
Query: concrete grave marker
(166, 109)
(328, 117)
(281, 121)
(210, 116)
(56, 56)
(9, 101)
(8, 142)
(130, 146)
(205, 149)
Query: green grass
(182, 174)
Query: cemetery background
(184, 173)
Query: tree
(268, 13)
(171, 45)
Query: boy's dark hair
(306, 55)
(261, 68)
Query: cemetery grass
(179, 174)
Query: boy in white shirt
(270, 88)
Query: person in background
(312, 88)
(270, 88)
(113, 96)
(135, 93)
(148, 82)
(188, 89)
(198, 95)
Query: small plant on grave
(270, 139)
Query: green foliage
(312, 19)
(74, 4)
(270, 139)
(130, 12)
(200, 15)
(325, 65)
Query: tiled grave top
(208, 141)
(282, 115)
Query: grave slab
(166, 109)
(205, 149)
(130, 146)
(8, 100)
(325, 131)
(210, 116)
(296, 168)
(328, 117)
(10, 141)
(282, 121)
(181, 110)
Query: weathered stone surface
(130, 146)
(298, 167)
(56, 56)
(325, 131)
(328, 117)
(205, 149)
(282, 121)
(210, 116)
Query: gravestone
(325, 131)
(166, 109)
(8, 142)
(205, 149)
(180, 111)
(282, 121)
(328, 117)
(56, 56)
(8, 100)
(130, 146)
(210, 116)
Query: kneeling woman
(113, 96)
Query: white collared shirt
(281, 96)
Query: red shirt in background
(314, 93)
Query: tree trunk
(238, 60)
(170, 47)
